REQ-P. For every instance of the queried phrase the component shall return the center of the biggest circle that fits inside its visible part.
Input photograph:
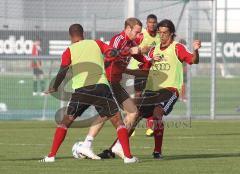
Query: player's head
(152, 23)
(76, 32)
(166, 30)
(37, 40)
(133, 28)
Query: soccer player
(91, 87)
(37, 70)
(148, 38)
(171, 56)
(116, 67)
(164, 80)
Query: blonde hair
(131, 22)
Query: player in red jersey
(38, 80)
(116, 67)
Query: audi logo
(162, 66)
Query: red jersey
(35, 52)
(116, 67)
(66, 56)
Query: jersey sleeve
(103, 46)
(150, 53)
(142, 58)
(66, 58)
(147, 64)
(116, 42)
(184, 55)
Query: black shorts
(140, 83)
(119, 93)
(98, 95)
(163, 98)
(37, 71)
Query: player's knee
(67, 120)
(133, 115)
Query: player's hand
(125, 52)
(145, 49)
(134, 50)
(196, 44)
(157, 58)
(50, 90)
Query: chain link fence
(22, 22)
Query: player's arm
(196, 46)
(143, 67)
(137, 72)
(184, 55)
(108, 51)
(66, 61)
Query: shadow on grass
(149, 158)
(194, 156)
(36, 159)
(224, 134)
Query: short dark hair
(76, 30)
(169, 24)
(132, 22)
(152, 16)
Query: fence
(24, 21)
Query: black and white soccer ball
(74, 151)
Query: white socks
(88, 141)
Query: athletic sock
(59, 136)
(124, 141)
(149, 122)
(88, 141)
(158, 137)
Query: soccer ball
(74, 151)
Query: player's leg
(107, 153)
(126, 103)
(163, 108)
(42, 82)
(122, 131)
(131, 112)
(74, 109)
(107, 107)
(59, 137)
(132, 123)
(122, 146)
(35, 84)
(95, 128)
(158, 131)
(139, 85)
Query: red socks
(124, 140)
(59, 136)
(158, 136)
(149, 123)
